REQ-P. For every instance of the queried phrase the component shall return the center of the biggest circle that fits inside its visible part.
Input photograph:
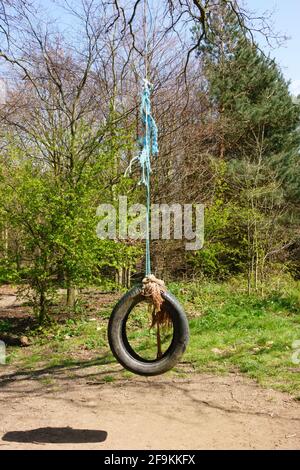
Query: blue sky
(286, 20)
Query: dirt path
(76, 409)
(7, 300)
(10, 300)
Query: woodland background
(228, 135)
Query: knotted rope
(153, 289)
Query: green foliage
(8, 271)
(54, 176)
(225, 248)
(54, 219)
(249, 216)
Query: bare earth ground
(74, 408)
(79, 411)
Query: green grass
(5, 326)
(60, 344)
(250, 334)
(230, 331)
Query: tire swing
(167, 314)
(148, 330)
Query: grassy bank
(252, 334)
(230, 331)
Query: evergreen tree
(255, 122)
(248, 94)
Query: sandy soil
(76, 409)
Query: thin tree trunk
(71, 297)
(5, 237)
(249, 278)
(124, 278)
(42, 313)
(120, 276)
(128, 278)
(256, 271)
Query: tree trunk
(42, 312)
(128, 276)
(124, 277)
(71, 297)
(249, 278)
(5, 238)
(256, 270)
(119, 276)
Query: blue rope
(149, 148)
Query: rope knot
(153, 288)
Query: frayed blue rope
(149, 141)
(149, 148)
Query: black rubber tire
(121, 348)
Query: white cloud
(295, 87)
